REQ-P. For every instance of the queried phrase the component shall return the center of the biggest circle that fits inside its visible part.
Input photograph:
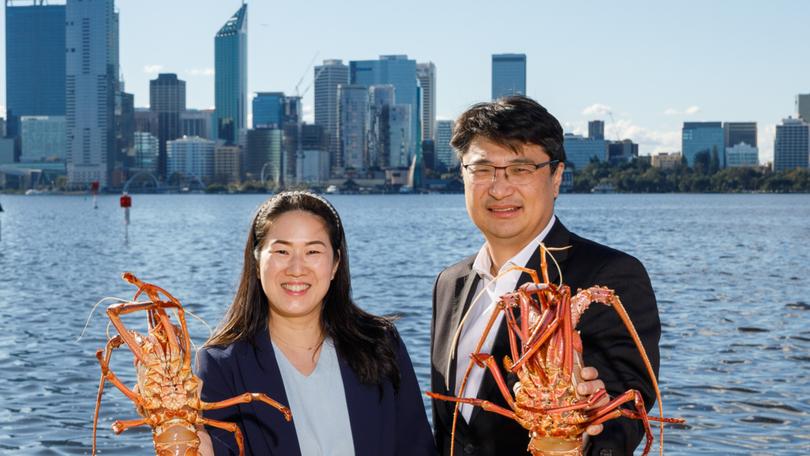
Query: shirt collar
(483, 261)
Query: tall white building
(42, 138)
(327, 77)
(445, 153)
(426, 74)
(91, 44)
(191, 157)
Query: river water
(730, 274)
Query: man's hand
(590, 385)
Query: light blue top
(318, 404)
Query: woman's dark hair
(511, 121)
(364, 340)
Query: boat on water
(332, 190)
(604, 187)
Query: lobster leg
(113, 343)
(486, 405)
(244, 399)
(611, 410)
(484, 359)
(230, 427)
(120, 426)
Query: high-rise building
(263, 154)
(740, 132)
(199, 122)
(268, 109)
(803, 106)
(705, 137)
(352, 121)
(124, 133)
(327, 77)
(742, 154)
(400, 121)
(227, 164)
(147, 150)
(291, 122)
(2, 127)
(400, 72)
(167, 99)
(230, 76)
(313, 162)
(621, 151)
(792, 145)
(381, 98)
(579, 151)
(445, 153)
(508, 75)
(191, 158)
(426, 74)
(596, 129)
(35, 61)
(91, 44)
(42, 138)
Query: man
(512, 156)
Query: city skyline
(653, 70)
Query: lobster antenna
(87, 323)
(207, 326)
(556, 264)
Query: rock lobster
(167, 392)
(546, 360)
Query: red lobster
(546, 362)
(167, 392)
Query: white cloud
(152, 69)
(308, 113)
(201, 72)
(691, 110)
(2, 111)
(767, 135)
(596, 109)
(649, 140)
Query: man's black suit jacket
(607, 346)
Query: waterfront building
(42, 138)
(621, 151)
(230, 76)
(91, 44)
(596, 129)
(381, 98)
(742, 154)
(263, 155)
(167, 99)
(2, 127)
(426, 74)
(400, 122)
(327, 78)
(445, 153)
(705, 137)
(508, 75)
(227, 164)
(352, 120)
(147, 121)
(792, 145)
(740, 132)
(579, 151)
(7, 151)
(291, 121)
(803, 106)
(190, 158)
(199, 122)
(666, 160)
(268, 109)
(147, 150)
(429, 154)
(312, 166)
(400, 72)
(35, 61)
(124, 133)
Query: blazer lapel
(260, 374)
(362, 402)
(465, 286)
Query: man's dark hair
(510, 121)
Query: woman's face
(296, 264)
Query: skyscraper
(400, 72)
(740, 132)
(230, 76)
(596, 129)
(803, 106)
(508, 75)
(791, 147)
(426, 74)
(352, 122)
(167, 99)
(445, 154)
(381, 98)
(91, 44)
(35, 62)
(580, 151)
(327, 77)
(268, 109)
(700, 137)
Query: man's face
(510, 215)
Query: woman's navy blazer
(387, 424)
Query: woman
(293, 333)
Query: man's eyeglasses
(518, 173)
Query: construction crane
(301, 79)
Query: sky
(643, 67)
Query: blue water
(730, 274)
